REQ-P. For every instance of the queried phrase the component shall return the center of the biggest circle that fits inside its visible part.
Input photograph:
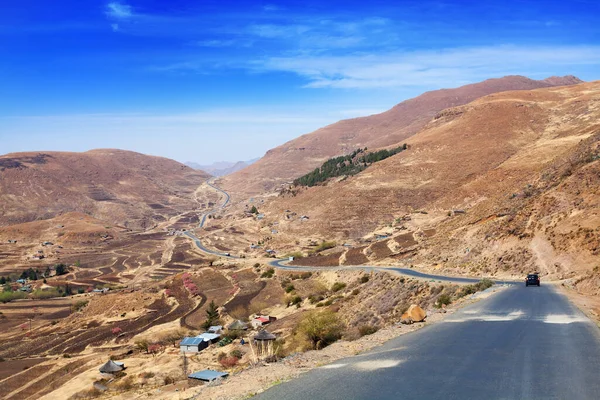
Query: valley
(115, 255)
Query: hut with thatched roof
(237, 325)
(265, 344)
(112, 367)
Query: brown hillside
(126, 188)
(301, 155)
(519, 164)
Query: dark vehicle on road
(532, 280)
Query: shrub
(257, 265)
(289, 288)
(367, 330)
(364, 279)
(315, 298)
(355, 292)
(229, 362)
(6, 297)
(268, 273)
(443, 300)
(236, 353)
(338, 286)
(78, 305)
(321, 328)
(142, 345)
(295, 300)
(147, 375)
(169, 380)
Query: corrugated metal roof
(191, 341)
(208, 375)
(208, 336)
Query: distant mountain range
(222, 168)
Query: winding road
(520, 343)
(195, 239)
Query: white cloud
(115, 27)
(118, 10)
(215, 43)
(430, 68)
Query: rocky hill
(303, 154)
(121, 187)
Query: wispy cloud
(429, 68)
(118, 10)
(215, 43)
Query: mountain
(222, 168)
(506, 183)
(121, 187)
(303, 154)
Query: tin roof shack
(207, 375)
(198, 343)
(192, 345)
(215, 329)
(261, 320)
(210, 337)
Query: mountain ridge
(304, 153)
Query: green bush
(268, 273)
(443, 300)
(6, 297)
(289, 288)
(338, 286)
(364, 279)
(45, 294)
(236, 353)
(296, 300)
(321, 328)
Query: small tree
(142, 345)
(212, 315)
(61, 269)
(321, 328)
(254, 210)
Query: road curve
(280, 263)
(404, 271)
(521, 343)
(197, 241)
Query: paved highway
(282, 264)
(521, 343)
(197, 241)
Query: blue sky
(207, 81)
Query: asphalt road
(521, 343)
(282, 264)
(197, 241)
